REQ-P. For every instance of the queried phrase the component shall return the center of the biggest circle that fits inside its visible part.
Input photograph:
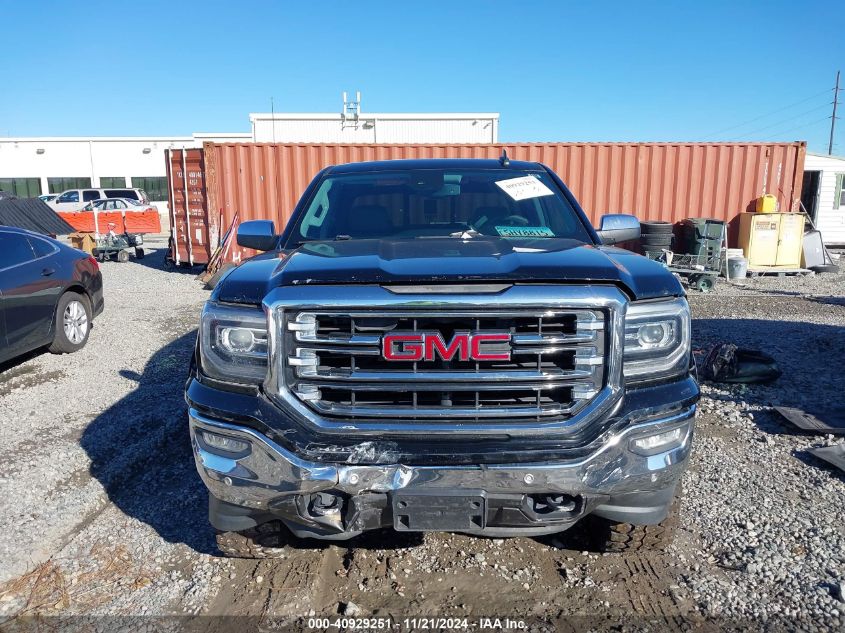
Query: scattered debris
(832, 454)
(823, 422)
(731, 364)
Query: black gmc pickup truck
(441, 345)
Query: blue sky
(556, 71)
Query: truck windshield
(425, 203)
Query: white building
(31, 166)
(823, 195)
(353, 125)
(481, 127)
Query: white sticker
(525, 231)
(524, 187)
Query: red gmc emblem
(416, 346)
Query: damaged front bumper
(630, 477)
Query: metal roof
(385, 116)
(32, 214)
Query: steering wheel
(516, 220)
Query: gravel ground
(93, 485)
(102, 513)
(769, 517)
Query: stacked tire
(655, 236)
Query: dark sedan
(49, 294)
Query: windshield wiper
(466, 234)
(337, 238)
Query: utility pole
(833, 118)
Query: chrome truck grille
(517, 365)
(507, 360)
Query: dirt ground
(104, 515)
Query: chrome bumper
(265, 472)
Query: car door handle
(48, 271)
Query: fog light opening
(658, 442)
(224, 443)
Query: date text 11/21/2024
(416, 624)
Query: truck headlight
(657, 340)
(233, 343)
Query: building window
(839, 193)
(21, 187)
(155, 186)
(107, 182)
(57, 185)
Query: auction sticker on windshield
(524, 231)
(524, 187)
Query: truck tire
(624, 537)
(267, 540)
(72, 323)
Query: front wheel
(267, 540)
(622, 537)
(73, 324)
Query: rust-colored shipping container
(654, 181)
(191, 233)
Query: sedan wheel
(75, 322)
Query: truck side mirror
(618, 227)
(258, 234)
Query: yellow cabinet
(791, 240)
(772, 239)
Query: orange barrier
(147, 221)
(83, 221)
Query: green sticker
(524, 231)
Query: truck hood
(447, 260)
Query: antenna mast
(351, 109)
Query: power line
(792, 118)
(768, 114)
(797, 127)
